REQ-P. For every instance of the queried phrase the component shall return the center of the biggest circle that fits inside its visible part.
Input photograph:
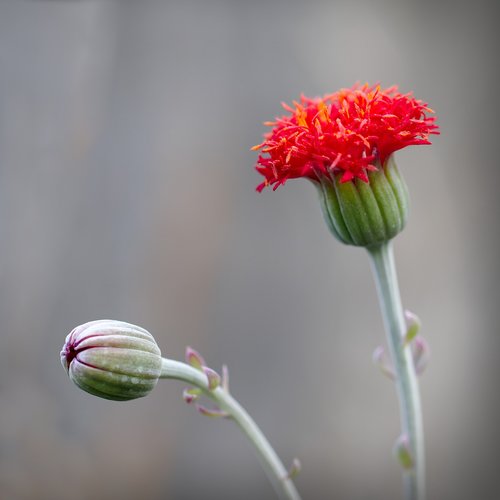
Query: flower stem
(272, 464)
(382, 258)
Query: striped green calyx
(365, 214)
(112, 359)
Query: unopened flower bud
(112, 359)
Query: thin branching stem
(274, 468)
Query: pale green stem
(272, 464)
(406, 379)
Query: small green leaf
(194, 358)
(294, 470)
(421, 354)
(403, 453)
(382, 363)
(209, 412)
(212, 376)
(413, 324)
(191, 395)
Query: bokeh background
(127, 192)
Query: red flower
(348, 132)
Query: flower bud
(112, 359)
(365, 213)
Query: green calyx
(365, 214)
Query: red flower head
(348, 132)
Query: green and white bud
(112, 359)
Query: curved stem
(384, 269)
(272, 464)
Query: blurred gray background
(127, 192)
